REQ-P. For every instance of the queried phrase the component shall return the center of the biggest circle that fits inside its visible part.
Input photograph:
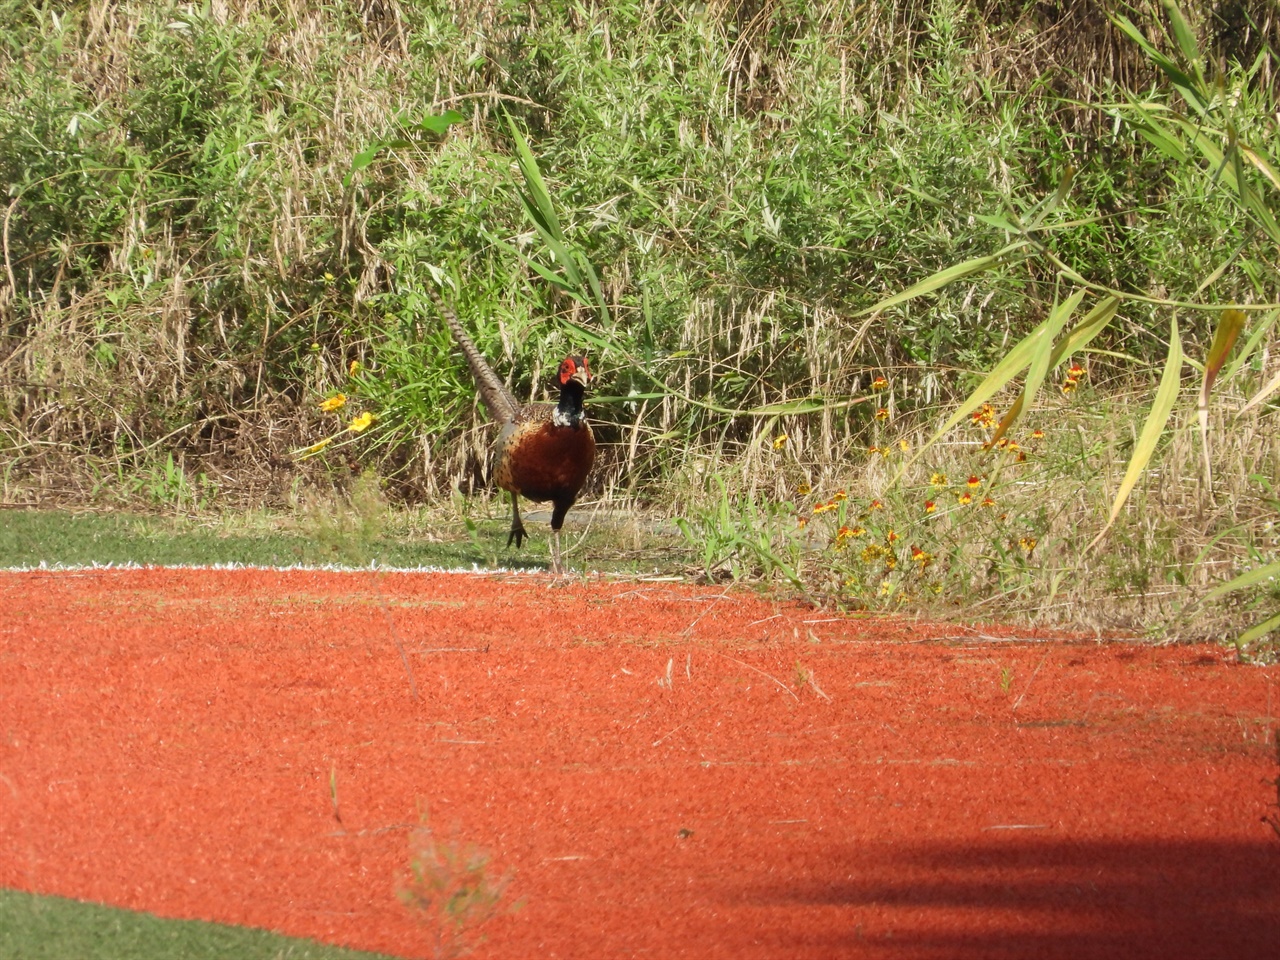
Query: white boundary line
(374, 567)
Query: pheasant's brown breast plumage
(541, 460)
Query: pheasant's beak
(582, 375)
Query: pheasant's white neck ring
(569, 412)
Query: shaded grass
(32, 537)
(55, 928)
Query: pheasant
(543, 452)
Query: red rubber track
(666, 771)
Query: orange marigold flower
(973, 482)
(802, 522)
(1022, 456)
(984, 416)
(336, 402)
(965, 499)
(876, 505)
(879, 383)
(1068, 385)
(804, 489)
(930, 506)
(844, 533)
(988, 502)
(873, 450)
(890, 563)
(839, 497)
(882, 413)
(823, 507)
(921, 557)
(1076, 372)
(891, 536)
(1037, 434)
(1027, 543)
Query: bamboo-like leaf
(944, 277)
(1224, 338)
(1186, 84)
(1151, 429)
(1064, 187)
(1258, 630)
(1251, 345)
(1041, 353)
(1260, 163)
(1248, 579)
(1183, 34)
(1271, 387)
(1012, 364)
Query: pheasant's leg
(557, 569)
(517, 528)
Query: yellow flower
(904, 444)
(840, 496)
(336, 402)
(1068, 385)
(802, 522)
(890, 563)
(876, 505)
(804, 489)
(873, 450)
(984, 416)
(938, 480)
(1027, 543)
(891, 537)
(882, 413)
(886, 588)
(930, 506)
(780, 441)
(361, 422)
(317, 447)
(965, 499)
(354, 368)
(1076, 372)
(988, 502)
(921, 557)
(973, 482)
(328, 277)
(823, 507)
(879, 383)
(1037, 434)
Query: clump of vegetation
(222, 221)
(452, 891)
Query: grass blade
(1224, 338)
(1151, 430)
(944, 277)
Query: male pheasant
(543, 452)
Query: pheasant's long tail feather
(497, 398)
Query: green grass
(32, 537)
(55, 928)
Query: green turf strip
(54, 928)
(29, 538)
(32, 537)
